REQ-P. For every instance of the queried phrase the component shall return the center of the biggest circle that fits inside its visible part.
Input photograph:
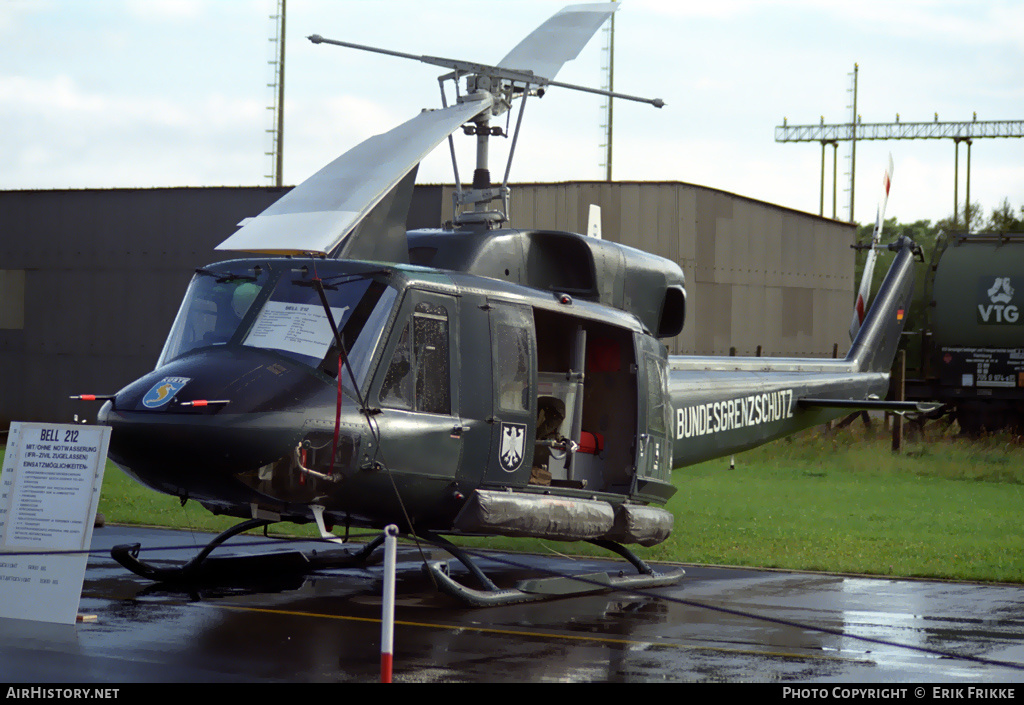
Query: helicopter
(472, 380)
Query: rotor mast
(501, 84)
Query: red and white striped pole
(387, 621)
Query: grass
(949, 508)
(125, 501)
(845, 503)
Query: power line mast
(277, 131)
(609, 69)
(858, 131)
(854, 119)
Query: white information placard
(297, 328)
(51, 482)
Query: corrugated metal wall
(756, 274)
(90, 281)
(105, 272)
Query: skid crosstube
(537, 589)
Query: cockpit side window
(418, 377)
(430, 329)
(512, 352)
(658, 410)
(398, 382)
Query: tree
(957, 224)
(1004, 220)
(926, 234)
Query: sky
(153, 93)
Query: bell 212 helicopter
(472, 380)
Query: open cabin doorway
(587, 393)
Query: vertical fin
(875, 346)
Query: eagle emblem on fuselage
(513, 446)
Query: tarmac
(717, 625)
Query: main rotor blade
(535, 60)
(560, 39)
(319, 213)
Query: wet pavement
(718, 624)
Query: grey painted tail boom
(724, 405)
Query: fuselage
(454, 401)
(254, 407)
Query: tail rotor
(860, 306)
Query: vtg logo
(997, 307)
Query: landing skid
(204, 569)
(538, 589)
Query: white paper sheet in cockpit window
(302, 329)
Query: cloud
(61, 99)
(165, 10)
(64, 134)
(681, 9)
(141, 93)
(14, 12)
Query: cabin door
(417, 398)
(514, 405)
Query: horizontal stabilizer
(316, 215)
(872, 405)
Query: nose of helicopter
(220, 424)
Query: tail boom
(723, 411)
(725, 405)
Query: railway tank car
(972, 335)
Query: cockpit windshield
(214, 306)
(294, 322)
(287, 317)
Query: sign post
(51, 482)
